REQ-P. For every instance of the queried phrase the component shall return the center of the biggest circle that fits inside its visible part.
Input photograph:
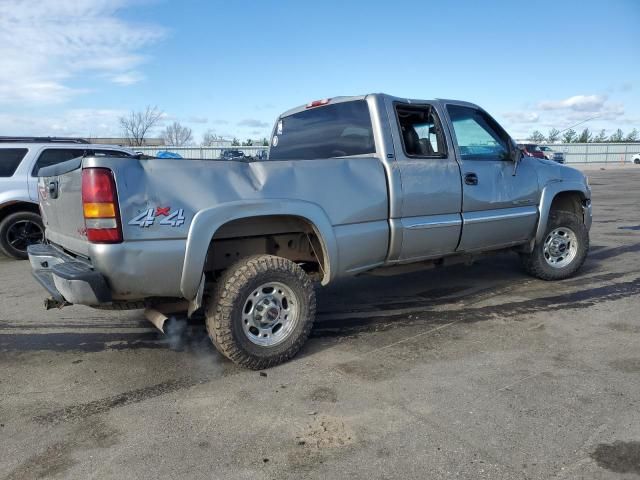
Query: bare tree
(536, 137)
(584, 137)
(553, 136)
(617, 136)
(210, 139)
(136, 125)
(177, 135)
(569, 136)
(632, 136)
(601, 137)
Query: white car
(550, 154)
(636, 159)
(20, 160)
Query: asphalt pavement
(467, 372)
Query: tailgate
(60, 193)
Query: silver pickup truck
(351, 185)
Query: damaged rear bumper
(67, 279)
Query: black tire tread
(533, 263)
(219, 304)
(5, 249)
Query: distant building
(148, 142)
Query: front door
(498, 207)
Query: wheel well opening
(14, 207)
(286, 236)
(568, 202)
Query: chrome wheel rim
(270, 314)
(560, 247)
(24, 233)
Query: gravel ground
(469, 372)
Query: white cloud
(45, 45)
(197, 119)
(579, 111)
(581, 103)
(75, 122)
(522, 117)
(128, 78)
(252, 122)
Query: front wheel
(261, 311)
(563, 250)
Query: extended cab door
(498, 208)
(430, 220)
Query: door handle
(53, 189)
(470, 178)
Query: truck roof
(340, 99)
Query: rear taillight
(100, 206)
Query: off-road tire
(6, 224)
(535, 263)
(224, 301)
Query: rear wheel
(563, 249)
(18, 231)
(261, 311)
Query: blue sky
(72, 67)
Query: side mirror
(517, 152)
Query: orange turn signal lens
(99, 210)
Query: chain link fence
(596, 152)
(574, 152)
(205, 153)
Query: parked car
(167, 154)
(532, 150)
(262, 154)
(21, 158)
(551, 154)
(636, 159)
(352, 185)
(231, 154)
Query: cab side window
(478, 136)
(53, 156)
(421, 131)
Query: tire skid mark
(84, 342)
(83, 410)
(575, 300)
(332, 324)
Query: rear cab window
(335, 130)
(10, 158)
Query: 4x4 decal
(146, 218)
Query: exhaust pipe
(158, 314)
